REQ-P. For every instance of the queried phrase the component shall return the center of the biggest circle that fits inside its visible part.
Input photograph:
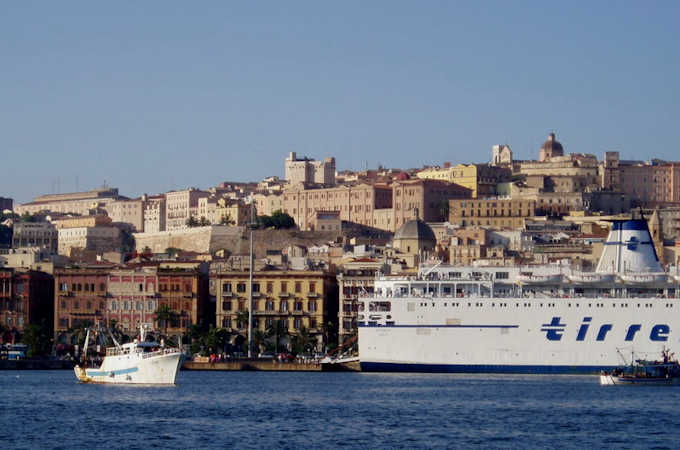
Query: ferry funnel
(629, 248)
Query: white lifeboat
(548, 278)
(591, 277)
(644, 277)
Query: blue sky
(152, 96)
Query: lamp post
(251, 226)
(250, 298)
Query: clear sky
(158, 95)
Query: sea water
(50, 409)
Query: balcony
(312, 295)
(284, 294)
(227, 294)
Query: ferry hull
(551, 335)
(159, 370)
(481, 368)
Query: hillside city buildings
(97, 256)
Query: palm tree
(259, 340)
(303, 342)
(165, 316)
(277, 331)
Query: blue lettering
(554, 329)
(659, 333)
(583, 329)
(631, 331)
(604, 329)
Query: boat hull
(611, 380)
(157, 369)
(481, 368)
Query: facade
(292, 298)
(354, 203)
(480, 179)
(80, 297)
(496, 213)
(127, 211)
(427, 200)
(136, 293)
(266, 204)
(180, 205)
(154, 214)
(354, 278)
(328, 221)
(26, 298)
(36, 234)
(183, 287)
(223, 211)
(98, 239)
(305, 170)
(74, 203)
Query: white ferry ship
(137, 362)
(526, 319)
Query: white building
(99, 239)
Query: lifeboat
(591, 277)
(549, 278)
(644, 277)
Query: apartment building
(6, 203)
(180, 205)
(26, 298)
(36, 234)
(499, 213)
(293, 299)
(480, 179)
(135, 294)
(80, 296)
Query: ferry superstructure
(526, 319)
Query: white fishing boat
(137, 362)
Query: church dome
(416, 229)
(551, 148)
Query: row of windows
(78, 287)
(270, 305)
(242, 287)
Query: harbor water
(49, 409)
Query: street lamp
(251, 226)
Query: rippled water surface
(49, 409)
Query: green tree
(165, 317)
(259, 341)
(191, 222)
(203, 222)
(37, 340)
(278, 220)
(172, 251)
(303, 342)
(226, 220)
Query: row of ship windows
(552, 305)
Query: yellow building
(493, 213)
(288, 298)
(481, 179)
